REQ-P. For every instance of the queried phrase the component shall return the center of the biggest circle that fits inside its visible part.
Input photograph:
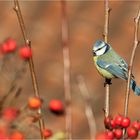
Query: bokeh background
(86, 24)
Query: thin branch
(136, 42)
(107, 81)
(15, 96)
(66, 59)
(88, 108)
(12, 85)
(106, 27)
(31, 63)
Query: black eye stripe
(106, 45)
(99, 49)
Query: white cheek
(100, 52)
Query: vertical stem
(107, 81)
(88, 108)
(107, 99)
(66, 59)
(31, 63)
(106, 27)
(136, 42)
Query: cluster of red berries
(55, 106)
(17, 135)
(10, 46)
(119, 124)
(8, 115)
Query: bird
(111, 65)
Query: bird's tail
(134, 87)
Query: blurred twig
(12, 86)
(31, 64)
(66, 59)
(2, 63)
(136, 42)
(15, 96)
(88, 108)
(107, 81)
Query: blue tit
(110, 65)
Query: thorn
(103, 111)
(103, 35)
(28, 42)
(135, 19)
(109, 10)
(15, 8)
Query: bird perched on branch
(110, 65)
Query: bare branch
(106, 25)
(107, 81)
(136, 42)
(88, 107)
(66, 59)
(31, 63)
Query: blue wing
(115, 69)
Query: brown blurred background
(86, 23)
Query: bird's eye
(99, 49)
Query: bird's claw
(107, 81)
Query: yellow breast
(101, 71)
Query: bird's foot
(107, 81)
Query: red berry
(56, 106)
(125, 122)
(25, 52)
(47, 133)
(118, 120)
(101, 136)
(110, 135)
(3, 136)
(10, 113)
(107, 122)
(3, 133)
(113, 124)
(17, 136)
(12, 44)
(5, 48)
(132, 132)
(136, 125)
(118, 133)
(9, 46)
(34, 103)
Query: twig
(31, 63)
(107, 81)
(66, 59)
(136, 42)
(15, 96)
(107, 11)
(12, 86)
(3, 99)
(88, 108)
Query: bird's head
(100, 48)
